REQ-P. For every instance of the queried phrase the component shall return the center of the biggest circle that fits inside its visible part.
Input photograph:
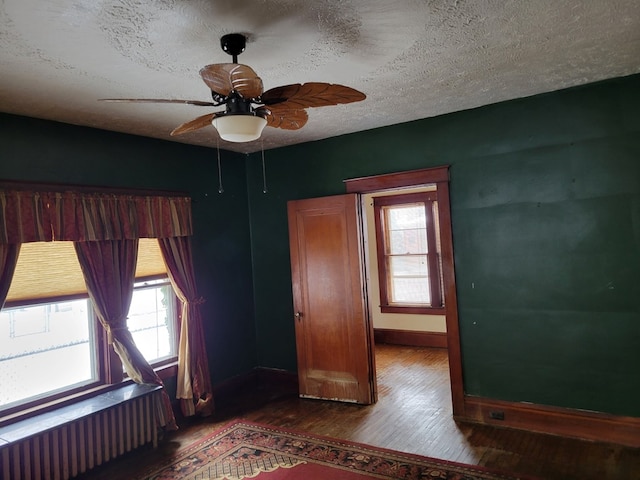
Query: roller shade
(51, 269)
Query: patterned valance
(30, 216)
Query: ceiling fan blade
(158, 100)
(284, 118)
(311, 94)
(280, 94)
(223, 78)
(195, 124)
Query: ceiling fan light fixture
(248, 108)
(240, 127)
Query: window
(50, 341)
(409, 260)
(46, 349)
(152, 320)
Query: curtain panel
(8, 261)
(29, 216)
(194, 382)
(109, 272)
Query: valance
(32, 216)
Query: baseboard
(411, 338)
(566, 422)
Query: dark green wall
(545, 196)
(40, 151)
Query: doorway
(330, 289)
(437, 178)
(409, 317)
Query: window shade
(51, 269)
(150, 261)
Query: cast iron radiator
(74, 439)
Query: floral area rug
(244, 450)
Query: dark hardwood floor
(413, 414)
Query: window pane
(151, 321)
(45, 349)
(406, 226)
(407, 241)
(409, 279)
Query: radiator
(67, 442)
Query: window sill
(165, 371)
(413, 310)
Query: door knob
(298, 315)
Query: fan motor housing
(236, 104)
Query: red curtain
(8, 260)
(108, 268)
(29, 216)
(194, 382)
(24, 217)
(86, 217)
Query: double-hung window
(51, 343)
(408, 248)
(152, 320)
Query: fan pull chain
(264, 174)
(220, 189)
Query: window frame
(99, 338)
(434, 260)
(110, 372)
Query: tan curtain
(194, 382)
(8, 260)
(108, 268)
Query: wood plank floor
(413, 414)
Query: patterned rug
(244, 450)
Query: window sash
(170, 310)
(42, 353)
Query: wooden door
(334, 336)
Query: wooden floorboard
(413, 414)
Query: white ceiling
(413, 58)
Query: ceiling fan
(248, 108)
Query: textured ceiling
(413, 59)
